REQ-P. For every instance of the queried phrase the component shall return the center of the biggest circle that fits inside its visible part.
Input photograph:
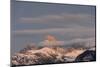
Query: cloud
(74, 43)
(85, 43)
(60, 33)
(56, 30)
(59, 17)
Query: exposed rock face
(42, 56)
(49, 55)
(88, 55)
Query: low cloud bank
(75, 43)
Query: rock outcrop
(41, 56)
(51, 55)
(86, 56)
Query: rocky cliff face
(41, 56)
(46, 55)
(86, 56)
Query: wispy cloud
(77, 30)
(59, 17)
(85, 43)
(74, 43)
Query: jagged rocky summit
(48, 55)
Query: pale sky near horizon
(32, 21)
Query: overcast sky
(32, 21)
